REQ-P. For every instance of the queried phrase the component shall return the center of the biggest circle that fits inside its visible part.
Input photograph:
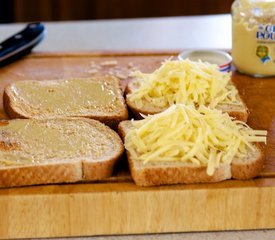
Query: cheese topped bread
(184, 82)
(98, 98)
(34, 151)
(188, 145)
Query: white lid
(212, 56)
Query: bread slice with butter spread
(184, 82)
(98, 98)
(185, 145)
(34, 151)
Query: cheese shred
(183, 81)
(202, 136)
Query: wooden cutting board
(116, 205)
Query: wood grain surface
(116, 205)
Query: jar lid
(220, 58)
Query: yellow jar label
(266, 42)
(253, 37)
(266, 32)
(253, 48)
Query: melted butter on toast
(27, 141)
(63, 96)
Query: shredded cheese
(202, 136)
(183, 81)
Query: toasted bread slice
(36, 151)
(238, 111)
(159, 172)
(98, 98)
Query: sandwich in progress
(98, 98)
(36, 151)
(188, 145)
(184, 82)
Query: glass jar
(253, 37)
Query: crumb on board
(109, 63)
(132, 66)
(93, 71)
(121, 72)
(94, 65)
(120, 76)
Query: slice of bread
(160, 172)
(98, 98)
(36, 151)
(238, 111)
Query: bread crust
(161, 173)
(111, 119)
(96, 170)
(93, 171)
(242, 171)
(165, 175)
(240, 112)
(65, 170)
(45, 173)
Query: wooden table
(142, 34)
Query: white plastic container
(220, 58)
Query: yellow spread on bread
(63, 96)
(26, 141)
(183, 81)
(203, 136)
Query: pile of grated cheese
(200, 136)
(183, 81)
